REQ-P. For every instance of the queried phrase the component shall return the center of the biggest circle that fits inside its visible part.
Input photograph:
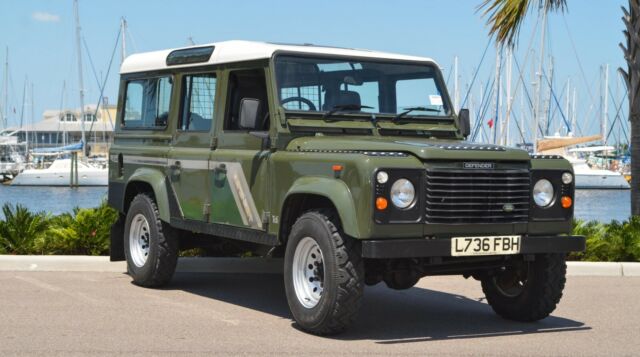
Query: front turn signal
(566, 201)
(381, 203)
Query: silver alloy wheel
(139, 240)
(308, 272)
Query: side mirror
(249, 111)
(464, 122)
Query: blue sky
(40, 37)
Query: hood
(425, 149)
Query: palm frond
(505, 17)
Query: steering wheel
(312, 107)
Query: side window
(247, 84)
(198, 95)
(147, 103)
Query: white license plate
(494, 245)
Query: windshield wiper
(411, 109)
(344, 108)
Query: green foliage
(20, 229)
(84, 232)
(613, 242)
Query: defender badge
(478, 165)
(508, 207)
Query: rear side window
(198, 96)
(147, 103)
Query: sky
(40, 37)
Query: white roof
(236, 51)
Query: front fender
(158, 182)
(338, 193)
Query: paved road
(48, 313)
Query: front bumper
(441, 247)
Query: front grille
(477, 196)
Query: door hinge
(206, 211)
(214, 143)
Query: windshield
(355, 86)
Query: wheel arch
(150, 181)
(318, 193)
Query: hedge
(85, 231)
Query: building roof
(237, 51)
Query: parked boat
(59, 174)
(12, 160)
(586, 176)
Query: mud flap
(116, 248)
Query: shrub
(21, 228)
(613, 242)
(83, 232)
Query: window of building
(147, 103)
(89, 117)
(68, 117)
(198, 96)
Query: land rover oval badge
(508, 207)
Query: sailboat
(60, 171)
(585, 175)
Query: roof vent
(189, 55)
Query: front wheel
(324, 274)
(151, 246)
(528, 291)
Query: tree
(505, 18)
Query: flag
(490, 123)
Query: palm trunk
(632, 78)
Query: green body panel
(156, 179)
(336, 191)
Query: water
(601, 205)
(54, 200)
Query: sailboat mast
(505, 128)
(80, 80)
(498, 87)
(123, 41)
(6, 85)
(539, 82)
(456, 96)
(573, 111)
(605, 105)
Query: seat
(342, 97)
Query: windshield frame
(416, 117)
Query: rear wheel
(151, 246)
(529, 291)
(324, 274)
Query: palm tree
(505, 18)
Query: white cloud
(45, 17)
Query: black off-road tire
(163, 245)
(546, 277)
(343, 274)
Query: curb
(69, 263)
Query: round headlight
(382, 177)
(402, 193)
(567, 178)
(543, 193)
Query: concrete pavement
(89, 313)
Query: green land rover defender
(351, 165)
